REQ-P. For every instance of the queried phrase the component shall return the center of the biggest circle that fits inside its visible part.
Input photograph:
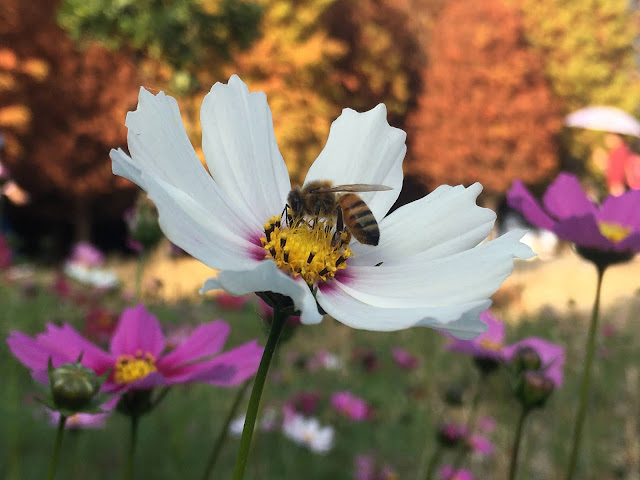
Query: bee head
(294, 201)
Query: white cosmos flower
(428, 269)
(308, 432)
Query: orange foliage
(61, 107)
(486, 113)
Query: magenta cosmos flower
(350, 406)
(403, 358)
(552, 357)
(137, 358)
(428, 269)
(449, 472)
(487, 345)
(614, 226)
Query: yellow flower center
(614, 231)
(130, 368)
(310, 249)
(492, 345)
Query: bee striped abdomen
(359, 219)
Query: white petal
(241, 150)
(468, 276)
(363, 148)
(267, 278)
(160, 148)
(445, 222)
(201, 233)
(461, 320)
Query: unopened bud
(143, 225)
(73, 386)
(534, 389)
(526, 358)
(486, 365)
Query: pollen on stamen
(306, 248)
(130, 368)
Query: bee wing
(355, 187)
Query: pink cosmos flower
(87, 255)
(448, 472)
(350, 406)
(366, 469)
(487, 424)
(304, 403)
(614, 226)
(488, 344)
(79, 421)
(552, 356)
(403, 358)
(480, 444)
(230, 302)
(136, 358)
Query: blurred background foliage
(480, 87)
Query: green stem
(433, 462)
(222, 436)
(56, 448)
(132, 447)
(142, 258)
(516, 444)
(279, 319)
(586, 379)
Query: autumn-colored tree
(486, 113)
(61, 110)
(589, 57)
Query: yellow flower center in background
(310, 249)
(130, 368)
(614, 231)
(492, 345)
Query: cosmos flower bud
(73, 386)
(534, 389)
(142, 223)
(526, 358)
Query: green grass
(175, 440)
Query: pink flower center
(130, 368)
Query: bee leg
(285, 215)
(337, 236)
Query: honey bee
(320, 198)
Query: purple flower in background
(136, 359)
(488, 344)
(480, 444)
(403, 358)
(350, 406)
(79, 421)
(366, 469)
(87, 255)
(551, 355)
(487, 424)
(304, 402)
(449, 472)
(614, 226)
(450, 434)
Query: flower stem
(56, 448)
(132, 447)
(142, 258)
(433, 462)
(515, 450)
(279, 320)
(222, 436)
(586, 378)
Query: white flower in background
(92, 276)
(309, 433)
(427, 270)
(267, 424)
